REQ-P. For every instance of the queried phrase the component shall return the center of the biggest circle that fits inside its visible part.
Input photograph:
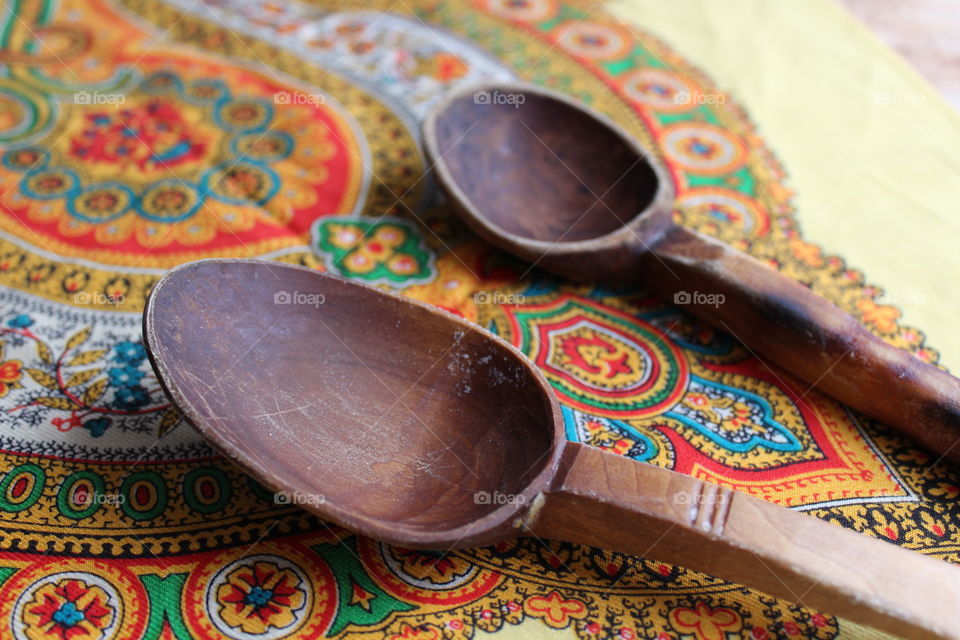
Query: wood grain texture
(406, 423)
(390, 415)
(520, 175)
(657, 513)
(787, 323)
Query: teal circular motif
(49, 184)
(206, 489)
(79, 495)
(21, 487)
(246, 115)
(169, 201)
(144, 495)
(26, 159)
(242, 183)
(101, 202)
(17, 104)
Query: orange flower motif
(555, 610)
(882, 317)
(706, 623)
(10, 373)
(808, 253)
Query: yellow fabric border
(869, 145)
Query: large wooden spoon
(405, 423)
(539, 175)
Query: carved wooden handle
(612, 502)
(787, 323)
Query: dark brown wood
(548, 180)
(542, 177)
(408, 424)
(787, 323)
(653, 512)
(375, 405)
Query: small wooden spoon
(538, 175)
(407, 424)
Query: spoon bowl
(543, 177)
(409, 424)
(537, 174)
(405, 422)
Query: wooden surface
(925, 32)
(382, 414)
(521, 176)
(788, 324)
(612, 502)
(522, 158)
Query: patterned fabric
(139, 134)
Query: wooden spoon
(542, 177)
(407, 424)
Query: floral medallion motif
(184, 156)
(600, 360)
(290, 593)
(259, 596)
(70, 607)
(388, 251)
(92, 600)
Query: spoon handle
(783, 321)
(608, 501)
